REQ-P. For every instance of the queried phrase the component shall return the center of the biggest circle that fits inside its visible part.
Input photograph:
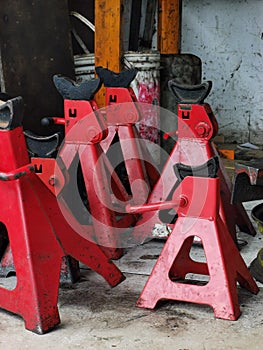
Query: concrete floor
(95, 316)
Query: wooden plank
(169, 26)
(107, 38)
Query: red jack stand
(84, 130)
(196, 201)
(196, 128)
(122, 113)
(38, 234)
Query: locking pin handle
(17, 173)
(180, 202)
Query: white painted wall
(228, 37)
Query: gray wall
(228, 37)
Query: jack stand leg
(70, 272)
(104, 221)
(134, 163)
(80, 245)
(37, 258)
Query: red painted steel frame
(198, 215)
(121, 116)
(39, 237)
(196, 126)
(83, 141)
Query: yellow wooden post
(108, 39)
(169, 26)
